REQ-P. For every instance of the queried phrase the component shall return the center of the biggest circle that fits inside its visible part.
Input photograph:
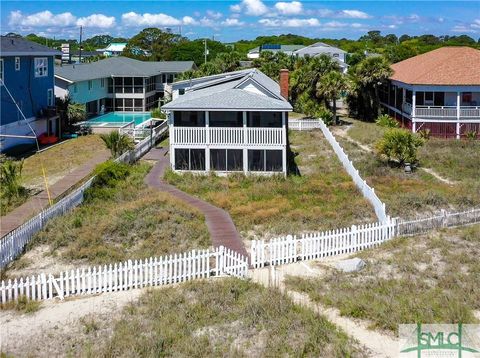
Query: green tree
(155, 41)
(399, 145)
(186, 50)
(330, 87)
(117, 143)
(76, 112)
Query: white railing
(367, 191)
(155, 271)
(227, 136)
(470, 112)
(13, 243)
(311, 246)
(303, 124)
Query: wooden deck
(220, 225)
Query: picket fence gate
(131, 274)
(289, 249)
(12, 244)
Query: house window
(190, 159)
(265, 160)
(50, 97)
(102, 82)
(17, 63)
(1, 70)
(226, 160)
(336, 55)
(90, 85)
(41, 67)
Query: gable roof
(227, 92)
(118, 67)
(274, 48)
(444, 66)
(317, 48)
(18, 46)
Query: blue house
(26, 86)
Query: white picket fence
(311, 246)
(155, 271)
(367, 191)
(305, 124)
(12, 244)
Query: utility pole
(206, 51)
(80, 47)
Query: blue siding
(30, 92)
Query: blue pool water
(119, 118)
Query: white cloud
(147, 19)
(289, 8)
(236, 8)
(188, 20)
(289, 22)
(97, 20)
(476, 24)
(251, 7)
(214, 14)
(354, 14)
(463, 29)
(325, 13)
(41, 19)
(232, 22)
(336, 24)
(205, 21)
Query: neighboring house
(437, 91)
(286, 49)
(26, 71)
(233, 122)
(114, 49)
(118, 83)
(320, 48)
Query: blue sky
(242, 19)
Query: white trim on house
(17, 63)
(41, 67)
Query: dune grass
(323, 196)
(128, 221)
(222, 318)
(431, 278)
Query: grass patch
(420, 192)
(432, 278)
(22, 305)
(322, 197)
(125, 220)
(221, 318)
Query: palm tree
(370, 74)
(117, 143)
(330, 87)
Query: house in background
(26, 71)
(320, 48)
(233, 122)
(438, 90)
(118, 83)
(286, 49)
(114, 49)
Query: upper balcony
(228, 136)
(444, 112)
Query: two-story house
(233, 122)
(118, 83)
(437, 91)
(26, 86)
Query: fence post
(353, 236)
(221, 256)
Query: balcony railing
(227, 136)
(447, 112)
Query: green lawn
(431, 278)
(128, 221)
(323, 196)
(420, 192)
(222, 318)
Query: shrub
(386, 121)
(326, 115)
(471, 135)
(399, 145)
(10, 174)
(157, 113)
(117, 143)
(424, 134)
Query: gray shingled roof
(227, 95)
(18, 46)
(118, 67)
(318, 48)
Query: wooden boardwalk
(220, 225)
(37, 203)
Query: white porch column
(207, 141)
(412, 116)
(457, 131)
(245, 141)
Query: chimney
(284, 83)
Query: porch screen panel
(264, 119)
(439, 99)
(189, 119)
(218, 159)
(197, 159)
(182, 159)
(273, 161)
(226, 119)
(256, 160)
(234, 160)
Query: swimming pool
(118, 119)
